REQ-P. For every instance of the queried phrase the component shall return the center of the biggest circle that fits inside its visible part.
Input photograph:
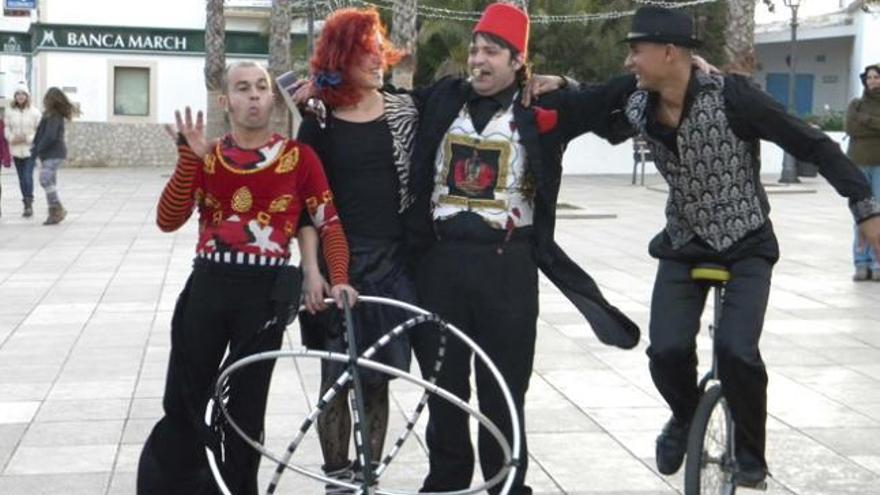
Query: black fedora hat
(660, 25)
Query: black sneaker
(755, 479)
(343, 473)
(671, 446)
(751, 470)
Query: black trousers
(675, 320)
(221, 305)
(491, 296)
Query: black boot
(56, 215)
(671, 446)
(28, 207)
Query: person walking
(50, 148)
(21, 120)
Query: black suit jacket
(578, 110)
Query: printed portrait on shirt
(474, 168)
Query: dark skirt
(377, 268)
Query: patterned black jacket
(712, 163)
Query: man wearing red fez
(486, 173)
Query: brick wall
(103, 144)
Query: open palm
(192, 132)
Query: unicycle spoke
(717, 474)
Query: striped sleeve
(334, 247)
(178, 198)
(314, 188)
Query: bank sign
(48, 37)
(94, 38)
(151, 42)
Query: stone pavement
(84, 319)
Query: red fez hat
(508, 23)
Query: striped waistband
(239, 258)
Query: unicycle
(710, 467)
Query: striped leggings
(48, 179)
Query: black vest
(715, 190)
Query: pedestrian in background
(863, 127)
(21, 126)
(49, 147)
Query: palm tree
(450, 39)
(279, 58)
(739, 36)
(403, 34)
(215, 65)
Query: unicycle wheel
(710, 465)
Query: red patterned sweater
(250, 201)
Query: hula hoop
(509, 452)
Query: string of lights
(440, 13)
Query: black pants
(675, 320)
(493, 298)
(221, 305)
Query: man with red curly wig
(249, 189)
(365, 144)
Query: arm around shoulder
(597, 108)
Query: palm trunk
(215, 65)
(279, 60)
(403, 34)
(739, 34)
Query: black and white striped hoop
(283, 462)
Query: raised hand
(193, 132)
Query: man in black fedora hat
(704, 132)
(660, 25)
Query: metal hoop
(510, 453)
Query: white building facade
(836, 39)
(126, 64)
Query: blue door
(777, 86)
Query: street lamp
(789, 164)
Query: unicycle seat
(712, 273)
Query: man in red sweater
(250, 188)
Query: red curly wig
(347, 35)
